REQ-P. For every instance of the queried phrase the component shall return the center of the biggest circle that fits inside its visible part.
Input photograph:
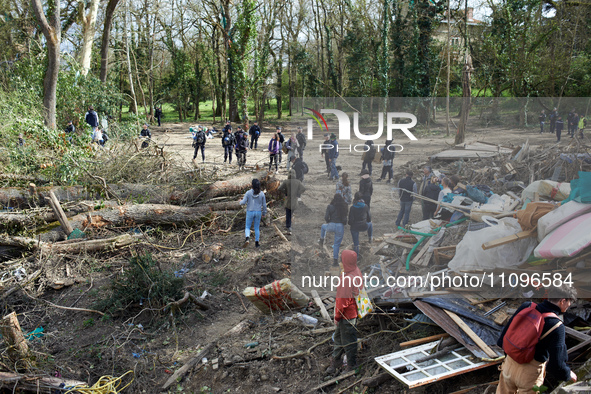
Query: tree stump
(18, 350)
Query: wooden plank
(477, 340)
(579, 346)
(398, 243)
(445, 322)
(445, 248)
(59, 212)
(424, 261)
(318, 302)
(379, 247)
(420, 341)
(424, 249)
(510, 238)
(576, 334)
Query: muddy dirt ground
(85, 346)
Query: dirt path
(310, 214)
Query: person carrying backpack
(533, 340)
(228, 142)
(299, 167)
(199, 139)
(255, 133)
(366, 187)
(291, 146)
(241, 147)
(292, 188)
(360, 221)
(368, 157)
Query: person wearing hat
(366, 187)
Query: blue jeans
(405, 207)
(250, 217)
(334, 174)
(355, 235)
(339, 231)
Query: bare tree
(52, 32)
(88, 22)
(106, 35)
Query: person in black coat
(336, 219)
(368, 157)
(359, 220)
(146, 134)
(387, 162)
(255, 133)
(301, 138)
(366, 187)
(158, 115)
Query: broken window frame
(461, 354)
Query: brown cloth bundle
(528, 217)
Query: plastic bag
(470, 255)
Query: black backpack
(200, 138)
(243, 144)
(305, 168)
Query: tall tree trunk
(88, 22)
(466, 100)
(52, 33)
(105, 41)
(279, 71)
(133, 105)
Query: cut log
(235, 185)
(18, 350)
(35, 383)
(73, 246)
(211, 252)
(59, 212)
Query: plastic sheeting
(564, 213)
(470, 255)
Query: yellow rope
(105, 385)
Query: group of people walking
(574, 122)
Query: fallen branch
(237, 295)
(301, 352)
(36, 383)
(175, 305)
(63, 307)
(279, 232)
(182, 371)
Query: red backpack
(523, 334)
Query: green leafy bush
(143, 283)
